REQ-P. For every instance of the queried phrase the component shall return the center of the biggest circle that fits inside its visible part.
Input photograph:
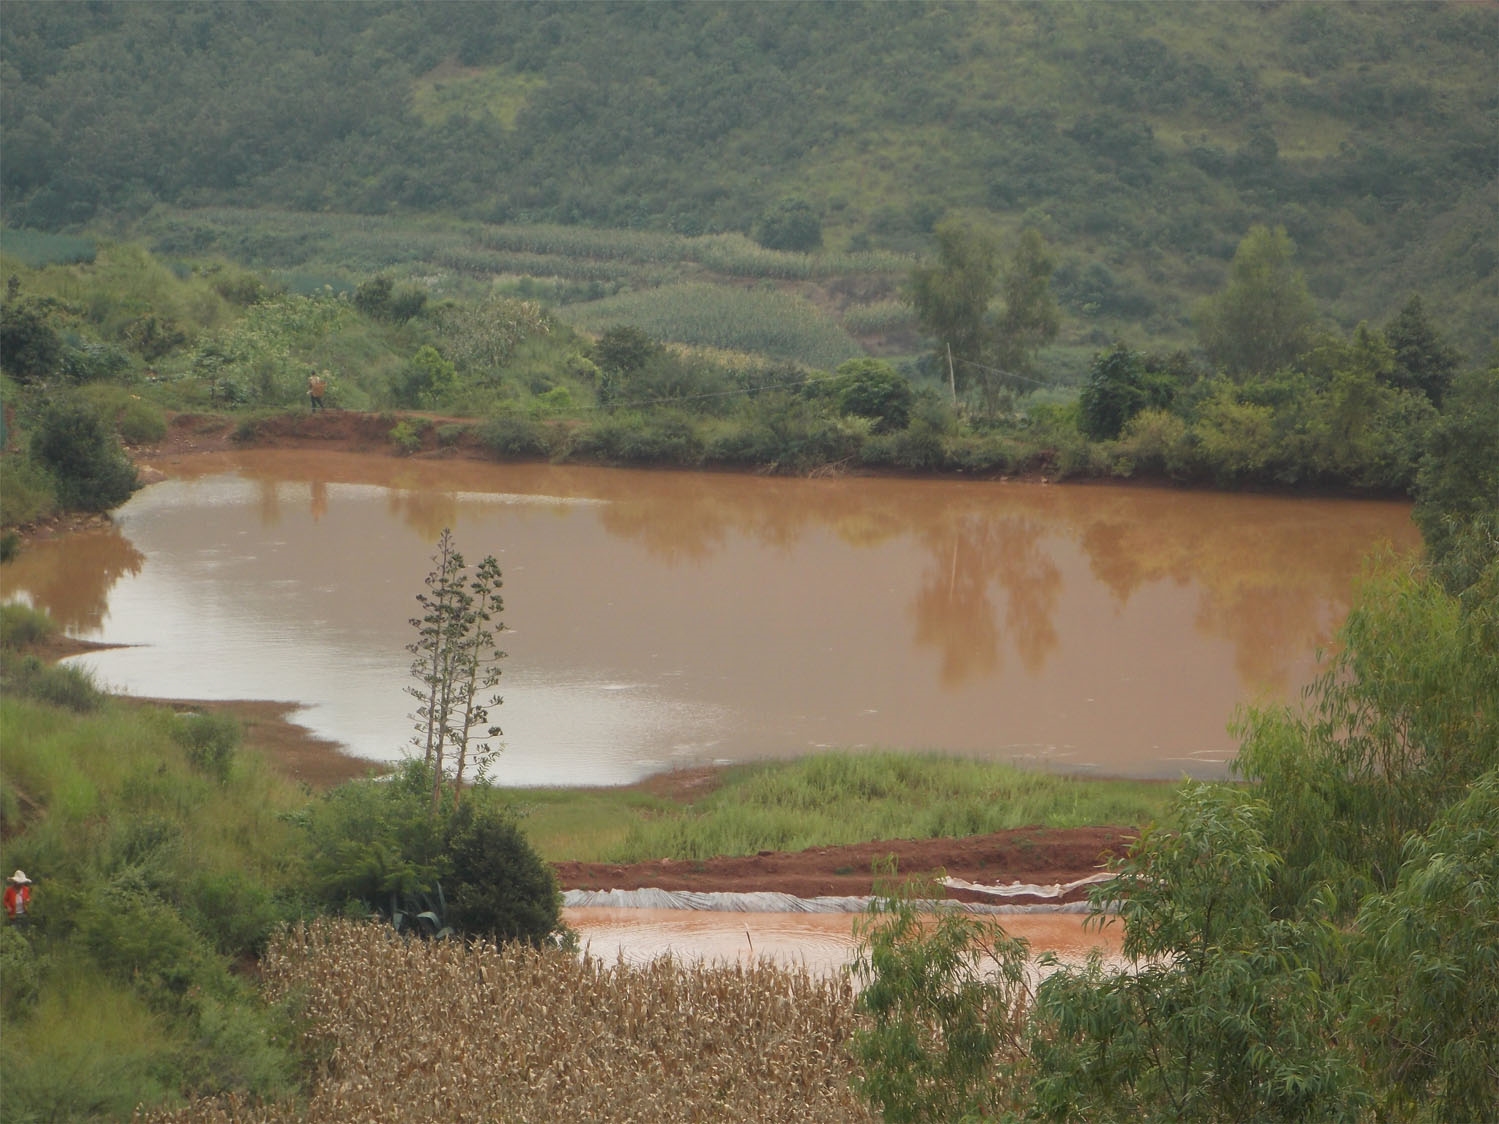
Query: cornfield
(414, 1032)
(767, 322)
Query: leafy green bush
(791, 224)
(515, 435)
(141, 423)
(871, 388)
(498, 885)
(1425, 983)
(22, 626)
(76, 446)
(31, 347)
(655, 438)
(943, 999)
(56, 684)
(237, 913)
(981, 453)
(784, 432)
(382, 848)
(406, 437)
(20, 972)
(210, 741)
(137, 937)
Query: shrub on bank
(21, 626)
(515, 435)
(382, 849)
(77, 448)
(661, 438)
(27, 491)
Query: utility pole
(952, 379)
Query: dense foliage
(1317, 944)
(379, 848)
(1145, 138)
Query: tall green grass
(22, 626)
(827, 800)
(161, 858)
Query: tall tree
(456, 664)
(1030, 319)
(1263, 318)
(951, 298)
(952, 303)
(1423, 361)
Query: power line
(1006, 374)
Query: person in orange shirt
(17, 896)
(317, 386)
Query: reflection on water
(819, 942)
(664, 618)
(71, 578)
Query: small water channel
(820, 942)
(664, 619)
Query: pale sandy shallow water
(819, 942)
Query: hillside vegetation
(1142, 140)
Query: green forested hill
(1141, 139)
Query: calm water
(667, 619)
(824, 943)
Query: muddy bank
(1035, 856)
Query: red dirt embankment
(1034, 856)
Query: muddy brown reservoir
(661, 619)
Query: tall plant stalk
(455, 663)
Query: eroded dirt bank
(1034, 856)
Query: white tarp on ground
(765, 901)
(1026, 890)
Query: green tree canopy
(951, 297)
(791, 224)
(1423, 360)
(1457, 486)
(1264, 317)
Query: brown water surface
(661, 619)
(819, 942)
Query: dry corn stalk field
(410, 1031)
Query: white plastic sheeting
(764, 901)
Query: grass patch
(823, 801)
(22, 626)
